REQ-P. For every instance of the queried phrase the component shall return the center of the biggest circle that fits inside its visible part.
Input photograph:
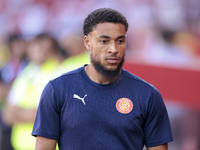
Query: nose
(113, 48)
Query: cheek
(95, 51)
(94, 55)
(122, 50)
(122, 47)
(99, 52)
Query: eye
(104, 41)
(120, 41)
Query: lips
(113, 59)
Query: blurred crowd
(31, 64)
(42, 39)
(165, 32)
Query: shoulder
(68, 77)
(131, 78)
(142, 86)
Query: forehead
(109, 29)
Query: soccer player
(100, 105)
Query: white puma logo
(82, 99)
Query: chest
(103, 111)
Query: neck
(97, 77)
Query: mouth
(113, 60)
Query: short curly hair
(103, 15)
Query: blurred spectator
(73, 44)
(17, 59)
(164, 51)
(4, 52)
(24, 95)
(16, 63)
(188, 42)
(77, 55)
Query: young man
(101, 105)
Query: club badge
(124, 105)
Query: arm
(157, 126)
(160, 147)
(47, 122)
(14, 114)
(43, 143)
(4, 89)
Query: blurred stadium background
(163, 47)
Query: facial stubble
(106, 72)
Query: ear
(87, 42)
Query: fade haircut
(103, 15)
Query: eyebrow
(104, 36)
(107, 37)
(122, 36)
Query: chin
(107, 70)
(111, 68)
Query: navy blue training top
(84, 115)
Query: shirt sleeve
(157, 127)
(48, 114)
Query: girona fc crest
(124, 105)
